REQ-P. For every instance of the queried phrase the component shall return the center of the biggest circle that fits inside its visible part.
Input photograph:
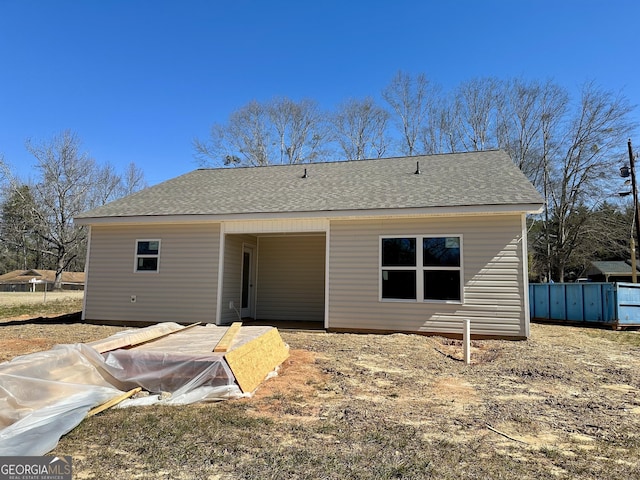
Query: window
(147, 255)
(441, 268)
(399, 276)
(421, 268)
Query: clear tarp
(46, 394)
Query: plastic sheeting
(46, 394)
(189, 379)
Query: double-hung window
(147, 255)
(421, 268)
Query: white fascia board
(340, 214)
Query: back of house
(410, 244)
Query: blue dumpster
(615, 304)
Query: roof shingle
(447, 180)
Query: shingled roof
(612, 267)
(470, 179)
(49, 276)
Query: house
(611, 271)
(37, 280)
(411, 244)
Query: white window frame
(136, 255)
(419, 268)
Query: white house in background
(411, 244)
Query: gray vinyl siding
(184, 289)
(493, 266)
(291, 273)
(232, 280)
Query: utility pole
(545, 180)
(635, 213)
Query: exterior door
(248, 276)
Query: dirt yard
(563, 404)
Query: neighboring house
(37, 280)
(364, 246)
(610, 271)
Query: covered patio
(274, 278)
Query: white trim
(341, 214)
(525, 277)
(419, 268)
(221, 248)
(327, 253)
(136, 256)
(86, 276)
(253, 280)
(257, 281)
(281, 226)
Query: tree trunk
(57, 283)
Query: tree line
(569, 146)
(36, 216)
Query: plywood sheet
(252, 362)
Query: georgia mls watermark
(35, 468)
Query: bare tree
(300, 129)
(280, 131)
(108, 188)
(360, 129)
(244, 140)
(442, 132)
(411, 99)
(68, 183)
(66, 180)
(589, 149)
(528, 119)
(131, 181)
(477, 101)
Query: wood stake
(225, 342)
(505, 435)
(113, 401)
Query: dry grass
(565, 404)
(39, 298)
(25, 305)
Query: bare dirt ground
(566, 390)
(563, 404)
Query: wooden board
(113, 401)
(252, 362)
(225, 342)
(133, 339)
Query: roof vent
(417, 172)
(305, 174)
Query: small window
(430, 273)
(147, 255)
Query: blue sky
(139, 80)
